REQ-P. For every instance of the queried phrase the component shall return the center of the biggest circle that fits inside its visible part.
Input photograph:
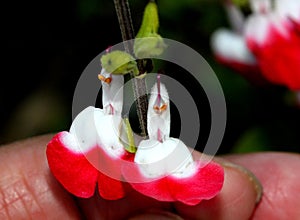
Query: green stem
(139, 85)
(125, 22)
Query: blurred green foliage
(241, 3)
(47, 49)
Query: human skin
(29, 191)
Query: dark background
(47, 45)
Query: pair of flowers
(94, 153)
(266, 44)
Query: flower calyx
(148, 43)
(119, 63)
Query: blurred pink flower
(267, 42)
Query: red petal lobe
(205, 183)
(72, 170)
(109, 188)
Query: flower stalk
(139, 84)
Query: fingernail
(157, 215)
(252, 178)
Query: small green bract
(119, 63)
(148, 42)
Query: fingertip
(26, 187)
(236, 200)
(278, 173)
(251, 177)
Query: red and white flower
(230, 47)
(163, 167)
(91, 151)
(267, 40)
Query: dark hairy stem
(139, 84)
(125, 22)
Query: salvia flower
(95, 152)
(91, 151)
(163, 167)
(267, 41)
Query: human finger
(27, 189)
(237, 200)
(280, 177)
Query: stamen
(160, 105)
(160, 109)
(104, 79)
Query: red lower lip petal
(79, 172)
(205, 183)
(110, 184)
(72, 170)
